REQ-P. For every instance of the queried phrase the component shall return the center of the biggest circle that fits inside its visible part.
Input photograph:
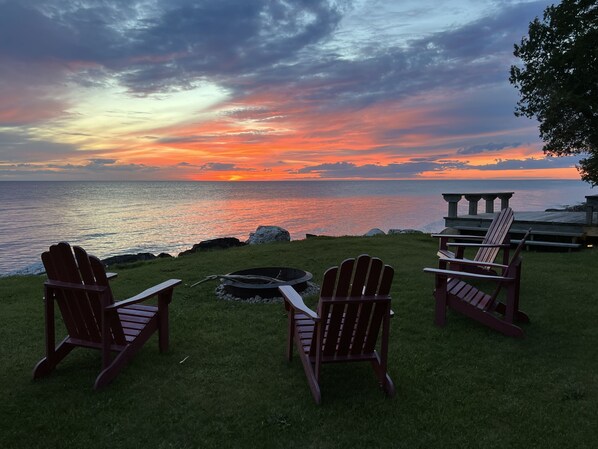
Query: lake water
(110, 218)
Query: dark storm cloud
(487, 147)
(250, 45)
(417, 166)
(532, 163)
(101, 162)
(399, 170)
(169, 45)
(63, 31)
(91, 170)
(220, 166)
(17, 147)
(216, 166)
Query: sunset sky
(264, 90)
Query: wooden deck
(568, 230)
(564, 229)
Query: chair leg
(312, 380)
(440, 297)
(508, 329)
(108, 374)
(308, 367)
(488, 318)
(380, 363)
(46, 365)
(163, 330)
(383, 378)
(389, 387)
(110, 371)
(440, 309)
(520, 317)
(290, 336)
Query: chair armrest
(480, 245)
(459, 236)
(146, 294)
(473, 262)
(296, 301)
(354, 299)
(464, 274)
(75, 287)
(445, 254)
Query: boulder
(219, 243)
(374, 231)
(268, 234)
(575, 208)
(127, 258)
(404, 231)
(450, 231)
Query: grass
(226, 383)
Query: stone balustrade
(453, 201)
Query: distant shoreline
(295, 180)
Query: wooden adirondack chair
(354, 308)
(489, 245)
(452, 290)
(79, 285)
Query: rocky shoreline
(262, 235)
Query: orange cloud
(271, 136)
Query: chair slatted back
(354, 300)
(82, 309)
(496, 234)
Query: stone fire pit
(264, 282)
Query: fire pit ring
(247, 288)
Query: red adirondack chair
(452, 290)
(489, 245)
(354, 309)
(79, 285)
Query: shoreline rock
(374, 231)
(268, 234)
(214, 244)
(128, 258)
(404, 231)
(581, 207)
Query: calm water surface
(109, 218)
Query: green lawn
(226, 383)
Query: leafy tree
(558, 83)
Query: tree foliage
(558, 83)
